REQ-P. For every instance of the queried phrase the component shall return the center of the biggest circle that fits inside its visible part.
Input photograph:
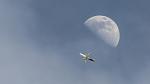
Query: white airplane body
(86, 57)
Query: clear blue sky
(41, 40)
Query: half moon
(105, 28)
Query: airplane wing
(92, 60)
(82, 55)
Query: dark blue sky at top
(64, 19)
(41, 41)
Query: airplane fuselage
(86, 57)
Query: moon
(105, 28)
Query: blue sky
(41, 40)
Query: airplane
(86, 57)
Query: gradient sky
(41, 40)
